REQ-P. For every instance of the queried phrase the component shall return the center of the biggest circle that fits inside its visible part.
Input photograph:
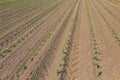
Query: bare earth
(33, 39)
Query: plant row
(26, 23)
(94, 43)
(65, 51)
(39, 44)
(5, 30)
(22, 13)
(19, 6)
(107, 10)
(25, 32)
(113, 31)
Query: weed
(15, 74)
(1, 55)
(5, 49)
(30, 57)
(22, 66)
(63, 51)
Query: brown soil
(80, 64)
(22, 50)
(112, 9)
(53, 58)
(20, 29)
(109, 48)
(112, 21)
(22, 13)
(38, 55)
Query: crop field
(59, 39)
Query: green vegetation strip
(94, 43)
(24, 14)
(107, 10)
(114, 33)
(19, 38)
(14, 29)
(64, 51)
(6, 1)
(9, 7)
(7, 32)
(114, 1)
(39, 44)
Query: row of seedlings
(94, 44)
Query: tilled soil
(93, 52)
(20, 53)
(19, 29)
(107, 44)
(80, 65)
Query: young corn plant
(58, 71)
(62, 64)
(96, 57)
(64, 51)
(97, 65)
(99, 72)
(63, 56)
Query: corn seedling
(97, 65)
(63, 51)
(99, 72)
(66, 46)
(63, 64)
(68, 41)
(96, 57)
(58, 71)
(95, 44)
(63, 56)
(95, 47)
